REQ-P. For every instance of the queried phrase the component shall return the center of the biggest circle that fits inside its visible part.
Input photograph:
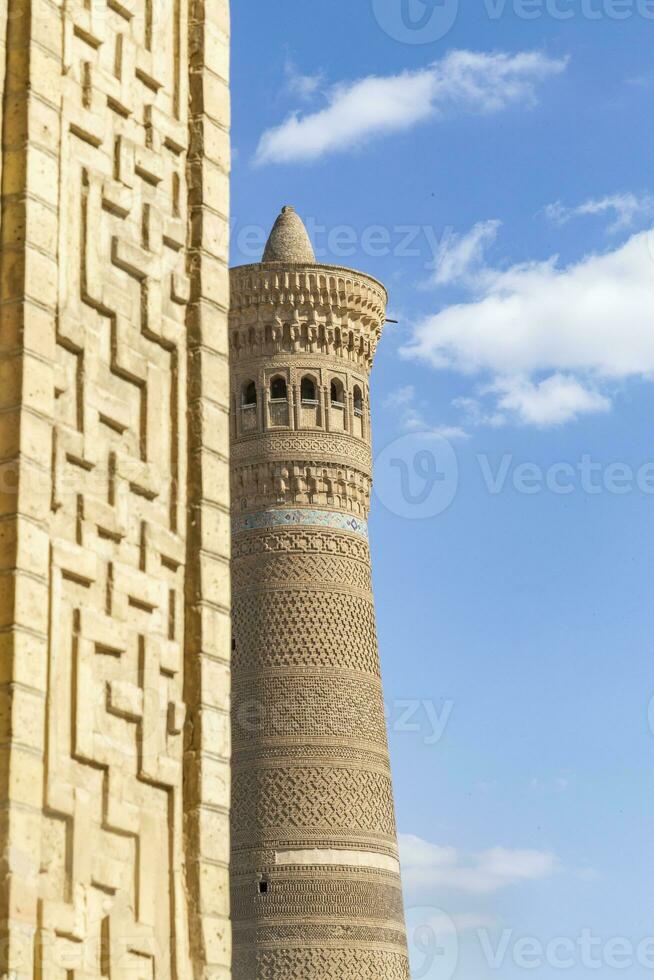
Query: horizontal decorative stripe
(328, 857)
(299, 517)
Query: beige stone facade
(114, 497)
(315, 874)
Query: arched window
(337, 392)
(358, 400)
(308, 390)
(249, 394)
(278, 388)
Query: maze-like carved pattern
(112, 892)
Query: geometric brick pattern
(274, 570)
(282, 444)
(306, 628)
(335, 932)
(310, 705)
(107, 312)
(299, 542)
(331, 798)
(315, 896)
(332, 964)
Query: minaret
(316, 892)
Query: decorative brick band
(299, 517)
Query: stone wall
(114, 537)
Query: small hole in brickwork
(263, 887)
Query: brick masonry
(114, 490)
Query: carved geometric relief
(103, 160)
(328, 704)
(305, 628)
(113, 833)
(323, 798)
(331, 964)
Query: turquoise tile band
(299, 517)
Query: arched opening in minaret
(337, 393)
(278, 389)
(358, 400)
(308, 390)
(249, 394)
(278, 402)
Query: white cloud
(400, 397)
(426, 867)
(558, 784)
(403, 402)
(475, 413)
(553, 401)
(374, 106)
(550, 339)
(303, 86)
(460, 256)
(625, 208)
(514, 866)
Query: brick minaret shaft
(315, 875)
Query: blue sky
(498, 179)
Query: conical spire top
(289, 240)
